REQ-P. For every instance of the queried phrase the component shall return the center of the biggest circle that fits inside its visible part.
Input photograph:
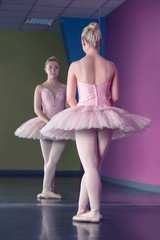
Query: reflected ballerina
(49, 99)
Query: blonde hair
(92, 35)
(51, 59)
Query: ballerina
(49, 99)
(93, 121)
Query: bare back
(94, 70)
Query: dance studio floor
(128, 214)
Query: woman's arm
(65, 88)
(115, 87)
(37, 104)
(71, 86)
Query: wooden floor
(128, 214)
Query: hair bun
(93, 26)
(92, 35)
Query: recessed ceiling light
(39, 21)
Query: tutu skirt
(64, 124)
(31, 129)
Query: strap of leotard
(82, 67)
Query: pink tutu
(31, 129)
(64, 124)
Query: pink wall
(133, 43)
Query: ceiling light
(39, 21)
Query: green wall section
(22, 58)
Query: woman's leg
(103, 141)
(87, 148)
(45, 148)
(56, 150)
(83, 197)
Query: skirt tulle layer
(64, 124)
(31, 129)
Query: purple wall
(133, 43)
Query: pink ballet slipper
(82, 211)
(91, 216)
(48, 195)
(79, 213)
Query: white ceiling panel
(13, 13)
(54, 3)
(106, 10)
(43, 15)
(86, 4)
(15, 7)
(47, 9)
(11, 20)
(19, 2)
(83, 12)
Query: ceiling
(14, 13)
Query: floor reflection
(87, 231)
(128, 214)
(48, 227)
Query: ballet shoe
(88, 217)
(76, 217)
(82, 211)
(48, 195)
(79, 213)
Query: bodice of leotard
(93, 94)
(52, 105)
